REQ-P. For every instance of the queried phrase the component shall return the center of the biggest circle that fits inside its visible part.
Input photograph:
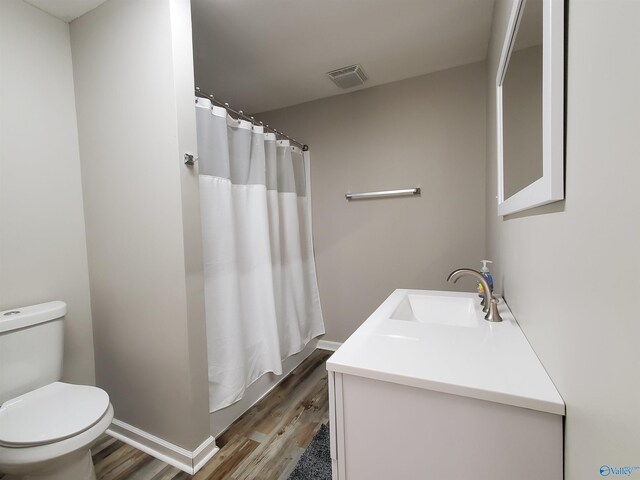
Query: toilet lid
(51, 413)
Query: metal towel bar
(383, 193)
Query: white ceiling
(66, 10)
(259, 55)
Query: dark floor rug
(315, 463)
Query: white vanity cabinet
(419, 399)
(382, 430)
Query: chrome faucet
(490, 303)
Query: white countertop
(483, 360)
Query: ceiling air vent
(348, 77)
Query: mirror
(530, 107)
(522, 104)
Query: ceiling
(66, 10)
(261, 55)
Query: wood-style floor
(265, 443)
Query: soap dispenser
(487, 274)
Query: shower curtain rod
(241, 114)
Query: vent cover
(348, 77)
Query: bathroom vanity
(426, 388)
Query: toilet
(46, 426)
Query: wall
(427, 131)
(569, 269)
(134, 92)
(43, 253)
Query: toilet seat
(51, 413)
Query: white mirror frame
(550, 187)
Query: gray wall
(427, 131)
(568, 270)
(134, 92)
(43, 255)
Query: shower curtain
(261, 292)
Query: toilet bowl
(47, 433)
(47, 427)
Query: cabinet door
(390, 431)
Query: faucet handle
(492, 314)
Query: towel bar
(382, 193)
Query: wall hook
(189, 160)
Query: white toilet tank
(31, 348)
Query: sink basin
(440, 309)
(440, 341)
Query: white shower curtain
(261, 293)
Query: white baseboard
(187, 461)
(192, 461)
(327, 345)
